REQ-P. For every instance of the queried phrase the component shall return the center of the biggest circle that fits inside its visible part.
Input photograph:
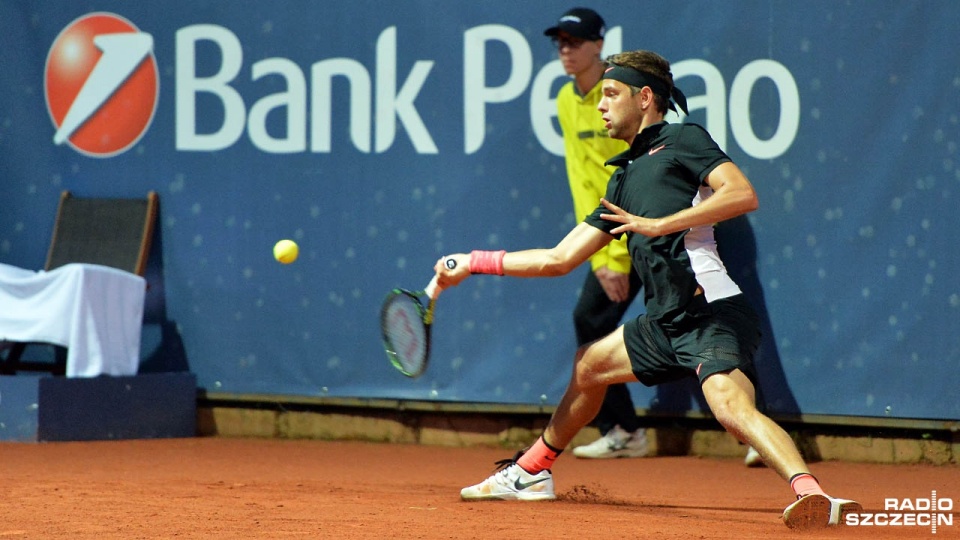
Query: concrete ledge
(669, 436)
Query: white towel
(95, 311)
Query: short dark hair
(651, 63)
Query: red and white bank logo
(101, 84)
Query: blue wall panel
(433, 134)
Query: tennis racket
(405, 326)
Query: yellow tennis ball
(286, 251)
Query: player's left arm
(733, 195)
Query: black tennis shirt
(659, 175)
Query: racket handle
(432, 290)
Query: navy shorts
(706, 338)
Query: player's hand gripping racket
(405, 326)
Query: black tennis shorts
(707, 338)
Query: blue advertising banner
(381, 135)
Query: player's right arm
(575, 248)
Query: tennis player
(671, 186)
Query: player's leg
(597, 365)
(617, 410)
(722, 348)
(595, 316)
(621, 435)
(718, 341)
(731, 399)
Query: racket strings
(404, 333)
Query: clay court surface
(242, 488)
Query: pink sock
(804, 484)
(540, 456)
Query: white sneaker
(753, 459)
(512, 483)
(615, 444)
(819, 511)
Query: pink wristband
(487, 262)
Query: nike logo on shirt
(657, 149)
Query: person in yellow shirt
(611, 284)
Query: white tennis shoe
(617, 443)
(818, 511)
(512, 483)
(753, 459)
